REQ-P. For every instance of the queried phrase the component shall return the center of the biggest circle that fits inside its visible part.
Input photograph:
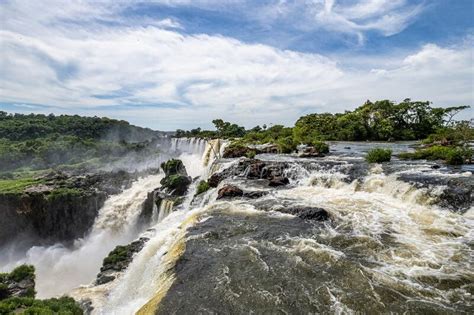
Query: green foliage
(452, 155)
(62, 192)
(251, 154)
(173, 167)
(203, 186)
(120, 253)
(378, 155)
(40, 141)
(286, 144)
(320, 146)
(63, 305)
(22, 272)
(17, 185)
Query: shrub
(378, 155)
(320, 146)
(286, 144)
(251, 154)
(22, 272)
(203, 186)
(452, 155)
(62, 305)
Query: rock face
(118, 260)
(310, 152)
(254, 169)
(19, 283)
(174, 187)
(60, 209)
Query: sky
(169, 64)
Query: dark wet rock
(436, 166)
(229, 191)
(118, 260)
(215, 179)
(278, 181)
(254, 194)
(61, 208)
(236, 151)
(176, 181)
(176, 185)
(307, 213)
(173, 167)
(347, 148)
(457, 194)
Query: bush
(320, 146)
(286, 144)
(203, 186)
(451, 155)
(22, 272)
(63, 305)
(378, 155)
(251, 154)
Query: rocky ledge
(58, 207)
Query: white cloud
(161, 78)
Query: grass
(17, 185)
(378, 155)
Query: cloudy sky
(181, 63)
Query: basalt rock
(118, 260)
(278, 181)
(238, 151)
(229, 191)
(307, 213)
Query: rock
(174, 167)
(255, 194)
(215, 179)
(118, 260)
(310, 152)
(229, 191)
(435, 167)
(254, 169)
(19, 283)
(307, 213)
(176, 185)
(347, 148)
(278, 181)
(236, 151)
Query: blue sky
(180, 63)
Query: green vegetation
(203, 186)
(39, 141)
(172, 167)
(26, 303)
(17, 185)
(120, 253)
(378, 155)
(31, 306)
(22, 272)
(451, 154)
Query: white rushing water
(409, 244)
(60, 269)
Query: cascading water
(388, 246)
(60, 269)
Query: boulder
(174, 167)
(307, 213)
(229, 191)
(255, 194)
(236, 151)
(310, 152)
(278, 181)
(176, 185)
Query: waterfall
(166, 207)
(60, 269)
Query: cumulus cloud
(154, 75)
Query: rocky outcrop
(310, 152)
(174, 187)
(19, 283)
(118, 260)
(278, 181)
(61, 207)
